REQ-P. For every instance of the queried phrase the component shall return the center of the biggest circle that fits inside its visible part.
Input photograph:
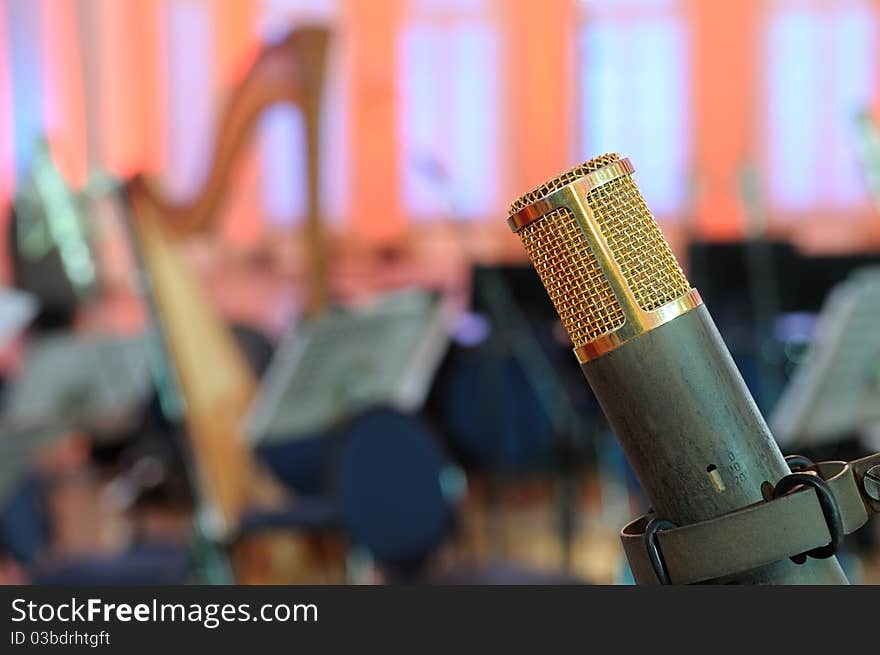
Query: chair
(390, 490)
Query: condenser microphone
(655, 360)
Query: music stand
(836, 389)
(348, 361)
(80, 382)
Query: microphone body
(653, 356)
(693, 434)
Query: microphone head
(600, 255)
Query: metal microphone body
(653, 356)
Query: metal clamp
(655, 557)
(799, 463)
(830, 510)
(799, 522)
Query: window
(634, 93)
(822, 70)
(192, 110)
(25, 65)
(449, 109)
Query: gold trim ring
(631, 329)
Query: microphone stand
(764, 290)
(551, 393)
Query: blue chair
(389, 489)
(396, 496)
(493, 416)
(24, 522)
(302, 464)
(302, 513)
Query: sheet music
(349, 361)
(86, 381)
(836, 389)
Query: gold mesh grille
(572, 277)
(561, 180)
(648, 265)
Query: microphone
(654, 358)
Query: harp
(213, 379)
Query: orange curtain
(235, 46)
(235, 39)
(540, 89)
(375, 208)
(723, 63)
(131, 59)
(64, 102)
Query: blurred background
(262, 320)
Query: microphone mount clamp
(806, 513)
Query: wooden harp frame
(213, 377)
